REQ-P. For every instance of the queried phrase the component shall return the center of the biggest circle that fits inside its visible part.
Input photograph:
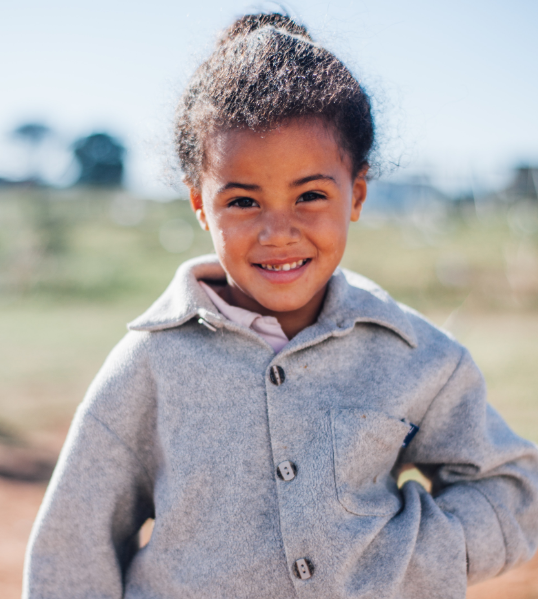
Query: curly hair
(266, 70)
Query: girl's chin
(282, 308)
(280, 300)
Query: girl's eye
(243, 203)
(310, 196)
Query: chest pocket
(366, 446)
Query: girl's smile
(278, 205)
(284, 270)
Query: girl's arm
(483, 475)
(100, 494)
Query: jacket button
(286, 471)
(277, 375)
(303, 568)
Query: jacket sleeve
(100, 494)
(482, 473)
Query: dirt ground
(19, 502)
(520, 583)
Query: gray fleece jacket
(273, 476)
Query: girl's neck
(291, 322)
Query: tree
(100, 157)
(33, 135)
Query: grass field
(50, 352)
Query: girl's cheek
(229, 242)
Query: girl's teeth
(279, 267)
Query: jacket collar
(351, 298)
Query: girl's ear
(198, 207)
(359, 194)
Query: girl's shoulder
(366, 292)
(370, 302)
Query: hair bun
(249, 23)
(265, 71)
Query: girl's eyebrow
(233, 185)
(318, 177)
(297, 183)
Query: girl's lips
(283, 276)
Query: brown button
(303, 568)
(286, 470)
(277, 376)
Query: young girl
(261, 409)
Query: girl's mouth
(287, 266)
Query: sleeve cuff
(484, 539)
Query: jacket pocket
(366, 446)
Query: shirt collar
(350, 299)
(234, 313)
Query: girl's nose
(278, 230)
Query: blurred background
(94, 222)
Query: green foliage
(100, 246)
(69, 247)
(484, 263)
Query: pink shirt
(267, 327)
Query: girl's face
(278, 205)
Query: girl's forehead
(296, 144)
(297, 129)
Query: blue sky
(455, 83)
